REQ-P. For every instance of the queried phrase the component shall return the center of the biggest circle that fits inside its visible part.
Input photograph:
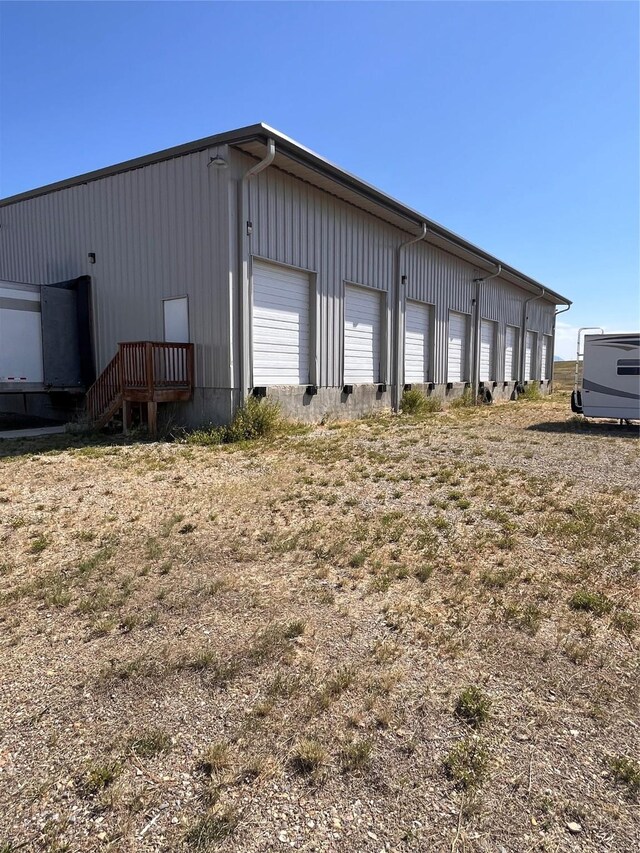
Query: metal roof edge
(307, 157)
(242, 134)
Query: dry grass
(400, 633)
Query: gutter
(245, 228)
(401, 280)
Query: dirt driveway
(399, 634)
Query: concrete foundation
(217, 405)
(329, 403)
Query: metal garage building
(289, 276)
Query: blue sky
(513, 124)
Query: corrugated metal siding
(171, 229)
(445, 281)
(297, 224)
(158, 231)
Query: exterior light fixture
(92, 257)
(218, 161)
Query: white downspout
(399, 331)
(476, 331)
(244, 232)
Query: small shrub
(149, 743)
(526, 618)
(215, 759)
(467, 762)
(591, 602)
(466, 401)
(256, 419)
(423, 573)
(356, 756)
(38, 545)
(294, 629)
(413, 402)
(625, 622)
(204, 659)
(531, 393)
(341, 679)
(308, 756)
(100, 776)
(473, 706)
(358, 559)
(626, 771)
(211, 829)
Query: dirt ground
(400, 634)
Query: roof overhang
(301, 162)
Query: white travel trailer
(611, 377)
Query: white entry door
(416, 342)
(457, 348)
(362, 334)
(280, 325)
(176, 320)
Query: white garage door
(487, 338)
(529, 356)
(416, 342)
(362, 311)
(544, 358)
(510, 353)
(280, 325)
(457, 348)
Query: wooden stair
(143, 372)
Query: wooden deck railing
(143, 372)
(105, 391)
(152, 364)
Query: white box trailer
(45, 337)
(610, 378)
(21, 361)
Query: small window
(629, 367)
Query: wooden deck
(141, 372)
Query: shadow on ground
(606, 429)
(43, 444)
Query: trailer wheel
(576, 402)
